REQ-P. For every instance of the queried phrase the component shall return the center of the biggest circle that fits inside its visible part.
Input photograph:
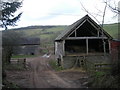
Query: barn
(83, 39)
(115, 49)
(28, 46)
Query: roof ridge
(76, 24)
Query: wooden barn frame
(83, 38)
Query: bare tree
(115, 8)
(89, 12)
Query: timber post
(87, 46)
(24, 62)
(61, 57)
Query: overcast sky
(61, 12)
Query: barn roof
(30, 41)
(72, 27)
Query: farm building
(28, 46)
(115, 49)
(83, 39)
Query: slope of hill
(51, 32)
(43, 31)
(112, 29)
(40, 31)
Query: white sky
(61, 12)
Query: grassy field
(112, 29)
(53, 32)
(23, 56)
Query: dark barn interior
(79, 46)
(86, 30)
(75, 46)
(79, 43)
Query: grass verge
(23, 56)
(54, 65)
(14, 67)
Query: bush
(54, 65)
(9, 85)
(103, 80)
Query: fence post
(24, 63)
(18, 61)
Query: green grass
(102, 80)
(99, 73)
(31, 32)
(23, 56)
(56, 29)
(18, 67)
(54, 65)
(112, 29)
(41, 32)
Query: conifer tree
(7, 16)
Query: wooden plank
(73, 38)
(84, 54)
(18, 60)
(98, 33)
(87, 46)
(109, 46)
(61, 57)
(56, 48)
(104, 47)
(102, 64)
(63, 48)
(75, 33)
(77, 28)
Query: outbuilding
(28, 46)
(115, 49)
(84, 38)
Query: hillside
(112, 29)
(48, 31)
(40, 31)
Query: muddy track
(39, 74)
(42, 75)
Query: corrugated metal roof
(72, 27)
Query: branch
(114, 9)
(89, 12)
(104, 14)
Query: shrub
(103, 80)
(54, 65)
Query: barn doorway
(91, 47)
(75, 46)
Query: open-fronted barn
(84, 38)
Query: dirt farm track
(39, 74)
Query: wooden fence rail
(18, 61)
(92, 67)
(102, 66)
